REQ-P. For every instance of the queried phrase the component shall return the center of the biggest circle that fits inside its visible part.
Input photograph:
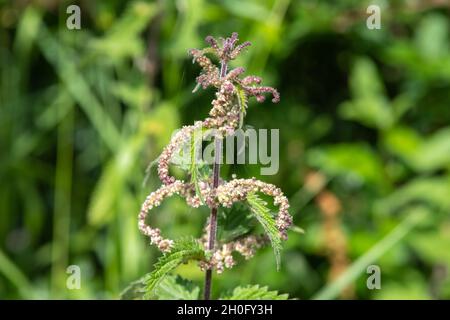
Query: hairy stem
(213, 215)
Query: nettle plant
(235, 205)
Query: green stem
(213, 215)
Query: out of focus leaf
(112, 181)
(78, 88)
(162, 123)
(431, 38)
(427, 57)
(134, 96)
(432, 246)
(407, 289)
(247, 9)
(433, 191)
(10, 271)
(369, 104)
(422, 154)
(123, 40)
(359, 266)
(357, 162)
(402, 141)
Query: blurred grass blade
(13, 274)
(102, 205)
(78, 88)
(332, 290)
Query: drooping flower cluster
(238, 189)
(223, 257)
(224, 119)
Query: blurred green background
(364, 124)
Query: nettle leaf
(177, 288)
(134, 291)
(234, 222)
(172, 287)
(255, 293)
(243, 104)
(262, 213)
(149, 170)
(194, 167)
(182, 251)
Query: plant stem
(213, 215)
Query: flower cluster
(238, 189)
(224, 117)
(222, 258)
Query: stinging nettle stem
(213, 215)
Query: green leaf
(356, 162)
(134, 291)
(172, 287)
(122, 40)
(432, 246)
(402, 142)
(77, 86)
(182, 251)
(194, 170)
(112, 182)
(435, 151)
(259, 209)
(247, 10)
(433, 191)
(422, 154)
(431, 37)
(254, 293)
(233, 222)
(373, 113)
(365, 82)
(243, 104)
(177, 288)
(369, 105)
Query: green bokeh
(83, 113)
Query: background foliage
(364, 141)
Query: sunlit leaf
(262, 213)
(177, 288)
(182, 251)
(356, 162)
(369, 104)
(254, 293)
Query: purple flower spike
(226, 108)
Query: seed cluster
(224, 118)
(223, 258)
